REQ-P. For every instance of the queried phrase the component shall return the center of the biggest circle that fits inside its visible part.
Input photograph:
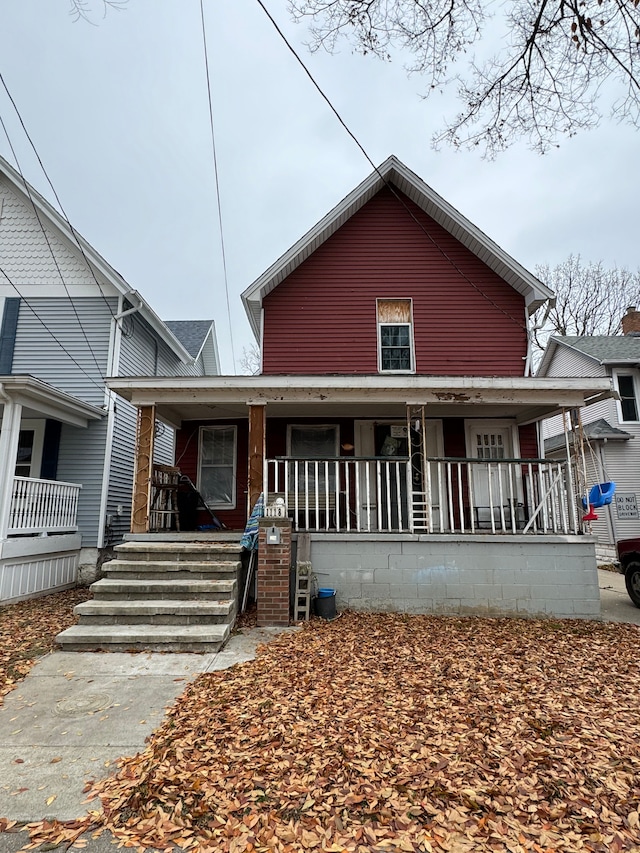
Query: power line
(386, 182)
(49, 246)
(215, 169)
(76, 237)
(50, 332)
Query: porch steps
(160, 596)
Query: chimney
(631, 321)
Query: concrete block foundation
(484, 575)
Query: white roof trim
(48, 400)
(264, 389)
(395, 172)
(99, 264)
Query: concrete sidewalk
(77, 712)
(615, 604)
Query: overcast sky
(118, 112)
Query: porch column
(145, 432)
(9, 436)
(256, 454)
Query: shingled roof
(190, 333)
(596, 430)
(605, 348)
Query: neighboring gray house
(69, 320)
(611, 427)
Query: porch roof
(526, 399)
(40, 399)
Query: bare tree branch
(84, 9)
(558, 62)
(590, 299)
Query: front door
(385, 496)
(496, 488)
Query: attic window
(395, 336)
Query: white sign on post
(626, 506)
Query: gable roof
(604, 349)
(101, 268)
(191, 333)
(394, 172)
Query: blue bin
(326, 592)
(324, 605)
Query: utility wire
(53, 189)
(92, 379)
(50, 247)
(387, 183)
(215, 169)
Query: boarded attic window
(395, 336)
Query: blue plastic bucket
(326, 593)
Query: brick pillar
(274, 563)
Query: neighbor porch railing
(43, 506)
(445, 495)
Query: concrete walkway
(77, 712)
(615, 604)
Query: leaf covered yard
(28, 630)
(390, 732)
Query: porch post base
(274, 567)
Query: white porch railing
(43, 506)
(439, 496)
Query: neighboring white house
(611, 427)
(68, 321)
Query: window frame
(334, 427)
(211, 427)
(380, 325)
(633, 375)
(37, 427)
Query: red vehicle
(629, 556)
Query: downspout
(110, 402)
(133, 310)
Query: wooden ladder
(302, 599)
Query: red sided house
(394, 418)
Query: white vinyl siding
(81, 460)
(142, 353)
(50, 344)
(567, 361)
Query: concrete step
(161, 568)
(132, 589)
(162, 638)
(179, 551)
(155, 612)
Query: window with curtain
(217, 468)
(313, 442)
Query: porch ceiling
(524, 398)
